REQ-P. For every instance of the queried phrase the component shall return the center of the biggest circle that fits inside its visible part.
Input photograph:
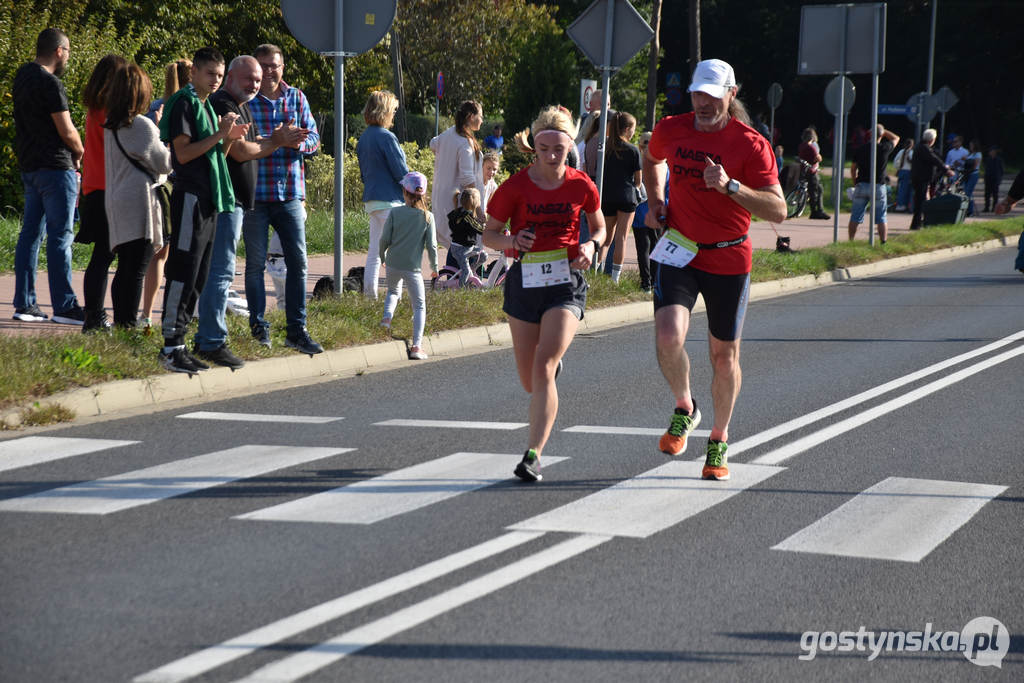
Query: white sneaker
(415, 353)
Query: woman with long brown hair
(92, 209)
(458, 164)
(136, 163)
(620, 188)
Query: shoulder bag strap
(134, 162)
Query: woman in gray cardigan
(136, 164)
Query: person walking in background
(972, 172)
(924, 169)
(545, 293)
(457, 165)
(902, 163)
(810, 152)
(136, 164)
(620, 192)
(408, 233)
(860, 173)
(993, 177)
(177, 75)
(241, 84)
(49, 150)
(495, 141)
(722, 172)
(1014, 195)
(93, 228)
(202, 189)
(644, 236)
(382, 165)
(280, 192)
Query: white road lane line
(34, 450)
(141, 487)
(896, 519)
(452, 424)
(811, 440)
(315, 658)
(648, 503)
(398, 492)
(628, 431)
(257, 417)
(871, 394)
(206, 660)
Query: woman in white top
(136, 162)
(458, 164)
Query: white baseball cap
(714, 77)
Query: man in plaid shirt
(280, 191)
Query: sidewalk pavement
(803, 233)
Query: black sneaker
(31, 314)
(72, 316)
(528, 468)
(96, 322)
(178, 361)
(221, 356)
(301, 342)
(199, 365)
(261, 334)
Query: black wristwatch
(732, 187)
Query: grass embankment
(39, 366)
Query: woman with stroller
(545, 293)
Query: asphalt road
(876, 492)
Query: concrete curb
(112, 398)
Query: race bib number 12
(674, 250)
(545, 268)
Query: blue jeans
(289, 221)
(904, 191)
(49, 201)
(213, 330)
(969, 184)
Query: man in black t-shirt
(240, 85)
(860, 172)
(49, 150)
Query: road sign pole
(339, 146)
(609, 35)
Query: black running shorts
(725, 296)
(529, 304)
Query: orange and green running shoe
(673, 441)
(716, 463)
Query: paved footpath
(803, 233)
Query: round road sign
(774, 95)
(832, 95)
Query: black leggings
(126, 290)
(645, 240)
(94, 224)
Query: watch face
(733, 186)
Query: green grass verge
(33, 367)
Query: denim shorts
(861, 197)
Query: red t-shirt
(93, 177)
(705, 215)
(554, 215)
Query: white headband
(551, 130)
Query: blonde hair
(177, 75)
(416, 201)
(380, 108)
(468, 199)
(492, 155)
(550, 118)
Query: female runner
(545, 293)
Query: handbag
(163, 190)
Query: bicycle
(493, 273)
(796, 200)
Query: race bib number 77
(674, 250)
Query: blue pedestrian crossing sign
(673, 79)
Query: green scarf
(220, 181)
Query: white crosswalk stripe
(399, 492)
(141, 487)
(896, 519)
(451, 424)
(257, 417)
(649, 502)
(35, 450)
(628, 431)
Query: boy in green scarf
(202, 188)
